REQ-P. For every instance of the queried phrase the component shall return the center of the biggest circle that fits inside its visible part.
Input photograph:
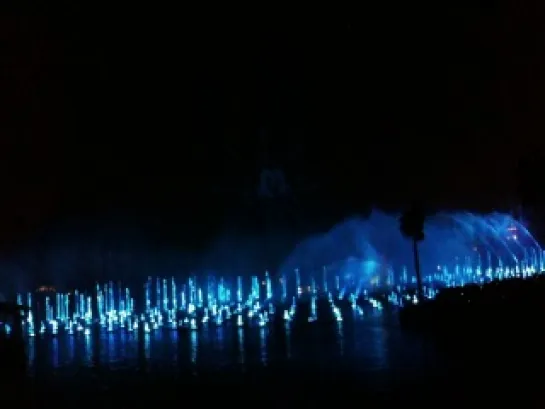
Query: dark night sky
(160, 113)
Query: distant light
(46, 289)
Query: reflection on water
(55, 352)
(373, 351)
(365, 345)
(147, 348)
(109, 348)
(88, 345)
(194, 347)
(241, 352)
(31, 355)
(71, 349)
(340, 337)
(263, 345)
(219, 341)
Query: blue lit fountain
(364, 262)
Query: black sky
(165, 111)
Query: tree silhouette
(412, 227)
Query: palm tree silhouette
(412, 227)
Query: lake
(369, 358)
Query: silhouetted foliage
(412, 224)
(504, 307)
(412, 227)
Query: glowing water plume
(462, 246)
(354, 260)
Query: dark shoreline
(499, 306)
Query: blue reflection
(173, 341)
(210, 346)
(378, 343)
(340, 337)
(219, 341)
(71, 349)
(194, 347)
(55, 352)
(88, 349)
(111, 341)
(122, 344)
(263, 345)
(147, 347)
(288, 341)
(241, 350)
(31, 352)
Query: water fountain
(363, 261)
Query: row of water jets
(190, 305)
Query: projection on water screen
(367, 262)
